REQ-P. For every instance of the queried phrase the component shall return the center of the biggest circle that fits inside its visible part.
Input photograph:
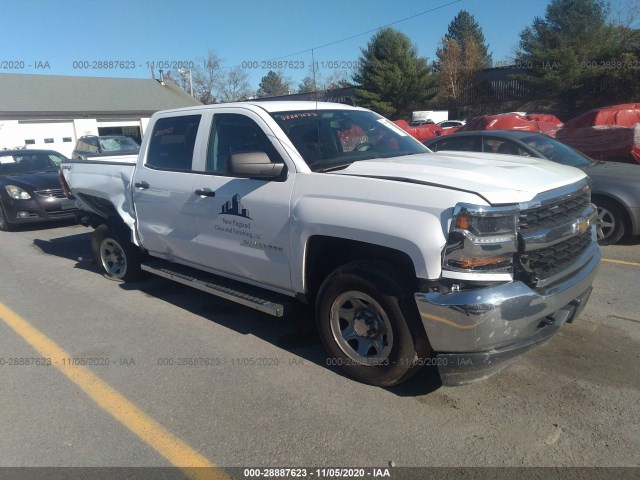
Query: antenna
(315, 95)
(313, 70)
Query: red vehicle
(421, 132)
(608, 133)
(547, 124)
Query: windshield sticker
(392, 126)
(7, 159)
(295, 116)
(166, 131)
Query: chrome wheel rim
(606, 223)
(113, 258)
(361, 328)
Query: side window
(172, 142)
(465, 144)
(500, 145)
(91, 144)
(234, 133)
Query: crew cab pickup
(456, 260)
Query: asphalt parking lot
(123, 389)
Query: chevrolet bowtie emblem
(581, 226)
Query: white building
(52, 111)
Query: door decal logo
(234, 207)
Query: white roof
(275, 106)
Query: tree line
(569, 60)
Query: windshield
(557, 151)
(117, 144)
(331, 139)
(26, 163)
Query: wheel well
(325, 254)
(618, 203)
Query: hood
(499, 178)
(623, 172)
(32, 181)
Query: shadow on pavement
(295, 333)
(72, 247)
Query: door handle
(142, 184)
(205, 192)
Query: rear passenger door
(163, 189)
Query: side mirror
(255, 165)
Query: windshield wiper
(331, 168)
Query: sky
(81, 37)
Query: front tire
(369, 324)
(611, 221)
(5, 226)
(118, 257)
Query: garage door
(59, 136)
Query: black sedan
(29, 188)
(616, 186)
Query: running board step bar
(249, 296)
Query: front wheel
(5, 226)
(611, 222)
(119, 258)
(370, 325)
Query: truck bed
(105, 186)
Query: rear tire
(369, 324)
(119, 258)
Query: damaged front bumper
(474, 333)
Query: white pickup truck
(459, 261)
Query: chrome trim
(487, 318)
(545, 237)
(558, 194)
(485, 210)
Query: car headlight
(17, 193)
(481, 239)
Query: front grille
(61, 213)
(554, 214)
(547, 262)
(52, 192)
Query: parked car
(616, 186)
(29, 188)
(91, 146)
(450, 124)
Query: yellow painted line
(621, 262)
(176, 451)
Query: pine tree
(392, 79)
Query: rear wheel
(119, 258)
(369, 324)
(611, 221)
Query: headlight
(17, 193)
(481, 240)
